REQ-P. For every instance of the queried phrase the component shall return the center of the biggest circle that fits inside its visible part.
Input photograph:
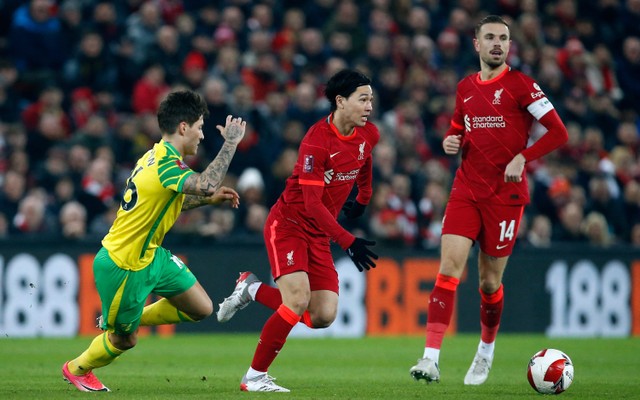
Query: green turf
(210, 367)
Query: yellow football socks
(162, 312)
(100, 353)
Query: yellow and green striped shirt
(151, 203)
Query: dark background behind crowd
(80, 81)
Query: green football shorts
(124, 293)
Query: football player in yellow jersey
(132, 262)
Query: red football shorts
(290, 249)
(493, 226)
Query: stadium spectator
(73, 220)
(36, 44)
(10, 103)
(430, 213)
(149, 91)
(489, 192)
(251, 188)
(227, 67)
(79, 158)
(345, 17)
(630, 19)
(97, 190)
(194, 70)
(219, 224)
(605, 198)
(539, 234)
(106, 23)
(571, 216)
(304, 105)
(46, 121)
(215, 94)
(264, 76)
(141, 28)
(628, 72)
(70, 14)
(32, 218)
(596, 230)
(14, 187)
(168, 52)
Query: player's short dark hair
(343, 83)
(491, 19)
(181, 106)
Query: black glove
(352, 209)
(361, 255)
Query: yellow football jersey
(151, 203)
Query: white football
(550, 371)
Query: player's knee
(203, 311)
(123, 342)
(323, 320)
(488, 286)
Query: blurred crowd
(80, 82)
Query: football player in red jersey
(495, 110)
(334, 155)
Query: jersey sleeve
(539, 106)
(173, 172)
(457, 121)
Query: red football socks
(269, 296)
(441, 303)
(274, 335)
(490, 312)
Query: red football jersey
(495, 118)
(328, 166)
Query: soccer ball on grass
(550, 371)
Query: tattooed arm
(193, 201)
(208, 182)
(220, 196)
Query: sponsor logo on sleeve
(308, 163)
(181, 164)
(538, 91)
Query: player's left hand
(515, 168)
(233, 130)
(224, 194)
(362, 257)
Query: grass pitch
(210, 367)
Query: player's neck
(487, 73)
(175, 142)
(343, 126)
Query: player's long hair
(180, 106)
(344, 83)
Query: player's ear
(182, 127)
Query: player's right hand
(361, 256)
(451, 144)
(233, 130)
(353, 209)
(223, 194)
